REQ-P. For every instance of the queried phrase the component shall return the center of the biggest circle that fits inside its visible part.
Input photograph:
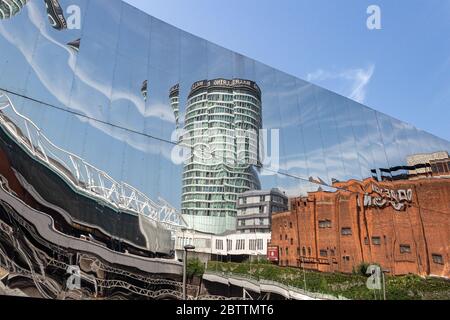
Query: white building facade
(255, 208)
(233, 244)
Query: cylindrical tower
(222, 123)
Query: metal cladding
(105, 111)
(77, 187)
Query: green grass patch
(351, 286)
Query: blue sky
(402, 70)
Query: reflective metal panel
(118, 89)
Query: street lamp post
(383, 272)
(186, 248)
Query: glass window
(437, 258)
(346, 231)
(405, 248)
(376, 241)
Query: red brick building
(402, 225)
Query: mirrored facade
(158, 121)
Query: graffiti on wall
(382, 197)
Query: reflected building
(221, 128)
(175, 104)
(90, 148)
(70, 208)
(9, 8)
(368, 222)
(429, 164)
(144, 90)
(229, 246)
(255, 210)
(55, 15)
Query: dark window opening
(405, 248)
(346, 231)
(323, 224)
(376, 241)
(437, 258)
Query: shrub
(361, 269)
(194, 268)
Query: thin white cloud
(355, 80)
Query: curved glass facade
(111, 85)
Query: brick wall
(404, 226)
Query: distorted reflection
(75, 45)
(126, 131)
(55, 14)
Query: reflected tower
(9, 8)
(222, 123)
(174, 96)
